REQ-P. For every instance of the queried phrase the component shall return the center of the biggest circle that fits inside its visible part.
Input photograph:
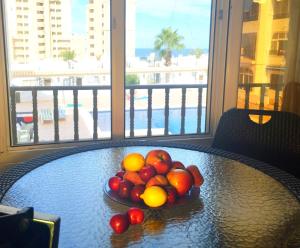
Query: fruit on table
(177, 165)
(133, 177)
(120, 174)
(135, 216)
(198, 178)
(160, 160)
(147, 172)
(154, 196)
(181, 180)
(114, 183)
(158, 180)
(119, 223)
(125, 189)
(171, 194)
(133, 162)
(136, 192)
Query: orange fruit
(133, 162)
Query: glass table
(238, 205)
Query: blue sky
(191, 19)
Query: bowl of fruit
(153, 181)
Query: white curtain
(291, 93)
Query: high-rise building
(38, 29)
(98, 21)
(264, 50)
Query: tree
(167, 41)
(197, 52)
(132, 79)
(68, 55)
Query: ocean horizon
(143, 53)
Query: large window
(167, 58)
(59, 64)
(64, 69)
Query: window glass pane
(167, 52)
(268, 53)
(59, 69)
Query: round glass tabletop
(238, 206)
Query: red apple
(160, 160)
(120, 174)
(197, 177)
(181, 180)
(114, 183)
(125, 189)
(147, 172)
(119, 223)
(172, 194)
(135, 216)
(177, 165)
(135, 193)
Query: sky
(191, 19)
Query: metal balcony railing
(263, 87)
(277, 88)
(97, 90)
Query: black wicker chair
(276, 142)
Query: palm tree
(167, 41)
(197, 52)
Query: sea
(143, 53)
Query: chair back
(276, 142)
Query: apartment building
(264, 51)
(98, 21)
(265, 33)
(38, 29)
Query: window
(276, 81)
(248, 45)
(279, 43)
(167, 53)
(246, 76)
(280, 9)
(173, 82)
(53, 56)
(250, 11)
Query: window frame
(220, 77)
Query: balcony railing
(263, 87)
(257, 101)
(199, 109)
(96, 90)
